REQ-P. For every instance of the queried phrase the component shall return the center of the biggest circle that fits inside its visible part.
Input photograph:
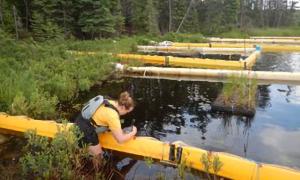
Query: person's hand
(134, 130)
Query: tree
(44, 24)
(96, 19)
(116, 11)
(230, 13)
(179, 8)
(214, 17)
(144, 16)
(63, 15)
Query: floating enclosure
(256, 41)
(194, 62)
(265, 47)
(198, 52)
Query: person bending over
(100, 115)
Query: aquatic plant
(182, 168)
(240, 91)
(149, 161)
(60, 158)
(210, 162)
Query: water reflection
(172, 110)
(284, 144)
(289, 62)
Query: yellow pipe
(206, 63)
(265, 47)
(185, 62)
(256, 41)
(202, 50)
(234, 167)
(250, 61)
(214, 73)
(143, 58)
(275, 37)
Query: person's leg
(90, 138)
(96, 152)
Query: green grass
(236, 33)
(237, 89)
(290, 31)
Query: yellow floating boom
(256, 41)
(250, 60)
(201, 50)
(234, 167)
(186, 62)
(265, 47)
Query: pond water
(181, 110)
(288, 62)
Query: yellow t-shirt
(106, 116)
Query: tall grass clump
(240, 91)
(211, 163)
(60, 158)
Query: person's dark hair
(126, 100)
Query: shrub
(60, 158)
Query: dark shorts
(90, 136)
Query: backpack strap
(107, 104)
(99, 128)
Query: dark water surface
(181, 110)
(288, 62)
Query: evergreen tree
(191, 23)
(163, 15)
(96, 19)
(6, 16)
(152, 18)
(230, 13)
(44, 26)
(179, 8)
(116, 11)
(144, 16)
(213, 17)
(139, 16)
(63, 15)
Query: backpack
(91, 107)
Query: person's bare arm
(122, 137)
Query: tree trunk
(26, 15)
(65, 26)
(170, 15)
(1, 13)
(242, 15)
(16, 22)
